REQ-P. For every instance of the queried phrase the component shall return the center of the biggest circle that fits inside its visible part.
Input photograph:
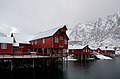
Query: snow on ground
(24, 56)
(117, 52)
(69, 58)
(100, 56)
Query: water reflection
(99, 69)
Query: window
(35, 42)
(65, 41)
(43, 40)
(32, 42)
(98, 51)
(86, 50)
(72, 50)
(56, 39)
(61, 38)
(3, 46)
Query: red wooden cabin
(86, 50)
(105, 51)
(75, 49)
(6, 45)
(51, 42)
(81, 52)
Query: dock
(32, 61)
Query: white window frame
(35, 42)
(43, 40)
(65, 41)
(32, 42)
(72, 50)
(56, 39)
(3, 46)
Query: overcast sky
(32, 16)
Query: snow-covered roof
(92, 48)
(68, 32)
(75, 47)
(103, 48)
(48, 33)
(2, 34)
(6, 40)
(22, 38)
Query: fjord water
(98, 69)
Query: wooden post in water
(11, 65)
(33, 64)
(81, 57)
(85, 57)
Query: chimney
(106, 47)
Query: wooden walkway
(16, 61)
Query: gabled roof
(75, 47)
(91, 47)
(22, 38)
(103, 48)
(6, 39)
(80, 47)
(48, 33)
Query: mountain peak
(102, 32)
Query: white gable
(75, 47)
(103, 48)
(6, 40)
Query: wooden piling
(33, 64)
(11, 65)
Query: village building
(51, 42)
(6, 45)
(106, 51)
(81, 52)
(21, 43)
(54, 41)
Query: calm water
(99, 69)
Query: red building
(86, 52)
(75, 49)
(106, 51)
(81, 52)
(51, 42)
(21, 43)
(6, 45)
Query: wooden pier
(29, 61)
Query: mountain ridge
(105, 31)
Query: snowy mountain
(102, 32)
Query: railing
(29, 55)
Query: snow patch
(100, 56)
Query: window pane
(43, 40)
(3, 46)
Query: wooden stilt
(81, 57)
(33, 64)
(43, 51)
(11, 65)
